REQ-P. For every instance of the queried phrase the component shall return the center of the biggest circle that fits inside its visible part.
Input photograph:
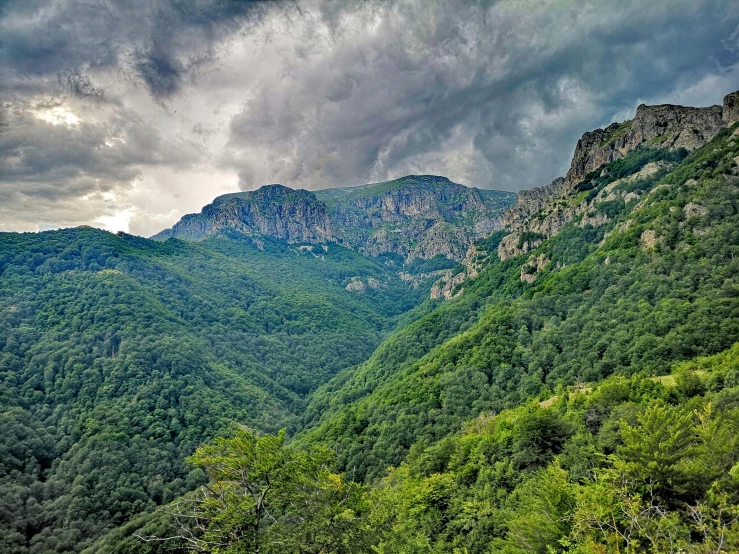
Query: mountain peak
(401, 216)
(663, 125)
(542, 212)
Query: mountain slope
(640, 272)
(119, 355)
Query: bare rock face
(440, 238)
(517, 243)
(731, 108)
(273, 210)
(356, 285)
(360, 286)
(542, 212)
(530, 269)
(448, 285)
(664, 126)
(649, 239)
(384, 241)
(418, 216)
(594, 220)
(691, 209)
(531, 201)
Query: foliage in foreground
(264, 497)
(632, 466)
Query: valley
(437, 354)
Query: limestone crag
(419, 216)
(274, 211)
(731, 108)
(664, 126)
(542, 212)
(531, 268)
(449, 284)
(531, 201)
(360, 286)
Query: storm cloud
(128, 115)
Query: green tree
(657, 449)
(265, 498)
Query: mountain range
(481, 345)
(418, 216)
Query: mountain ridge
(416, 216)
(566, 255)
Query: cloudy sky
(128, 114)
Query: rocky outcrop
(448, 286)
(530, 269)
(450, 241)
(649, 239)
(418, 216)
(731, 108)
(273, 210)
(360, 286)
(691, 209)
(542, 212)
(531, 232)
(594, 219)
(664, 126)
(531, 201)
(516, 244)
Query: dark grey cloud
(519, 81)
(80, 86)
(142, 110)
(156, 41)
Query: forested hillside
(119, 355)
(648, 280)
(632, 464)
(268, 388)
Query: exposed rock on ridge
(664, 126)
(418, 216)
(542, 212)
(274, 210)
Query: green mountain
(557, 376)
(628, 270)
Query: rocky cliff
(664, 126)
(273, 210)
(419, 216)
(542, 212)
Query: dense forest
(592, 409)
(634, 464)
(239, 395)
(119, 355)
(603, 304)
